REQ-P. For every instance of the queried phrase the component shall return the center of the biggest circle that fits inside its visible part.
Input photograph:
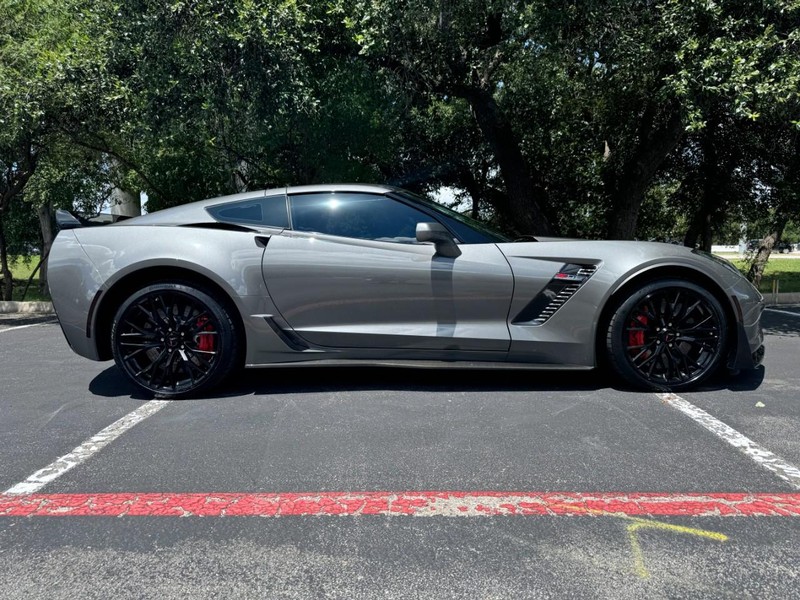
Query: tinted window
(468, 230)
(268, 212)
(363, 216)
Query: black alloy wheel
(174, 340)
(669, 335)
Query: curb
(45, 308)
(782, 298)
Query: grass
(785, 270)
(21, 270)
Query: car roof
(194, 212)
(339, 187)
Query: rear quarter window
(266, 212)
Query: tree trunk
(45, 212)
(125, 203)
(700, 232)
(8, 284)
(756, 271)
(713, 197)
(523, 194)
(658, 135)
(625, 215)
(468, 181)
(13, 179)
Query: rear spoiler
(66, 219)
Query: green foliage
(686, 110)
(70, 177)
(746, 52)
(21, 228)
(792, 232)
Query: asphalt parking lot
(366, 483)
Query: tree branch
(106, 148)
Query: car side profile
(345, 274)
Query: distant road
(728, 250)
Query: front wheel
(669, 335)
(174, 340)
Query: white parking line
(87, 449)
(23, 327)
(783, 312)
(786, 471)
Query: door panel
(352, 293)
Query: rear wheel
(669, 335)
(174, 340)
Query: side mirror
(441, 238)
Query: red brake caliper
(205, 342)
(636, 338)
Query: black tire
(669, 335)
(175, 340)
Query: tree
(591, 118)
(738, 77)
(443, 50)
(48, 65)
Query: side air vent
(287, 337)
(563, 286)
(219, 226)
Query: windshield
(468, 229)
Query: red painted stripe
(404, 503)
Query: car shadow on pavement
(744, 381)
(326, 379)
(112, 383)
(277, 380)
(362, 378)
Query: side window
(267, 212)
(363, 216)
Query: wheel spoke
(199, 323)
(203, 362)
(650, 358)
(652, 366)
(150, 366)
(197, 350)
(160, 374)
(132, 354)
(690, 310)
(700, 323)
(672, 336)
(676, 306)
(140, 345)
(148, 333)
(149, 315)
(168, 341)
(651, 310)
(191, 366)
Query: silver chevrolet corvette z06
(344, 274)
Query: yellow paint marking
(638, 523)
(638, 556)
